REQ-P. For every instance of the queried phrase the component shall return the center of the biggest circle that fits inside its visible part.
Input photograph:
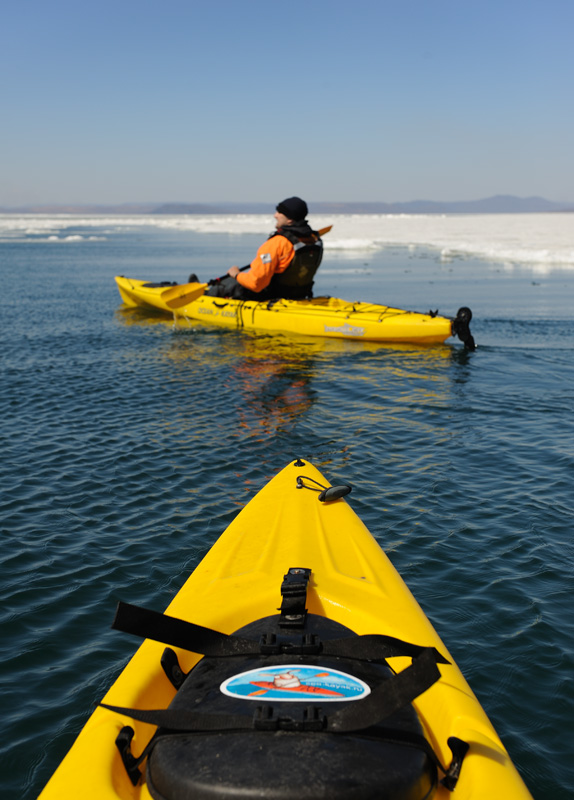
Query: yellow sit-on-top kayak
(328, 317)
(293, 663)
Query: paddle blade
(180, 290)
(186, 293)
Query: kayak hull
(326, 317)
(139, 294)
(353, 584)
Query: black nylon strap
(375, 646)
(387, 697)
(176, 632)
(179, 633)
(175, 720)
(384, 700)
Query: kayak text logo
(346, 330)
(295, 682)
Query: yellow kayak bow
(298, 665)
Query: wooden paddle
(184, 293)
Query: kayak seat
(289, 760)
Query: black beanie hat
(294, 208)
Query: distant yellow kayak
(293, 663)
(327, 317)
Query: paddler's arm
(273, 256)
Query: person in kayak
(284, 265)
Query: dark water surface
(127, 447)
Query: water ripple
(128, 446)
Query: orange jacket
(273, 256)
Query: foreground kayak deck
(321, 316)
(352, 583)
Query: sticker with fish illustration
(295, 682)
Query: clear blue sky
(334, 100)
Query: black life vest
(296, 282)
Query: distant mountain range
(499, 204)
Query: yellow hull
(327, 317)
(136, 294)
(353, 583)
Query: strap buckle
(294, 597)
(309, 718)
(307, 644)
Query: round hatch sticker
(295, 682)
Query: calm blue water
(127, 447)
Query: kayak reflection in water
(285, 264)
